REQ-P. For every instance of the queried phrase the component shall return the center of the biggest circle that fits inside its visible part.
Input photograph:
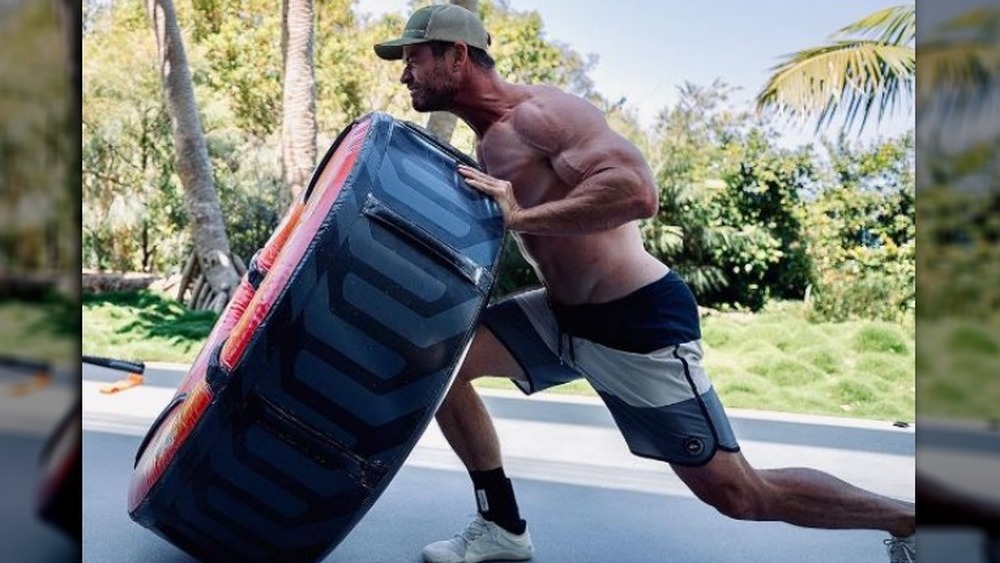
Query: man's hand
(500, 190)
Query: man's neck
(485, 99)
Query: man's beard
(433, 98)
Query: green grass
(774, 360)
(958, 361)
(881, 337)
(778, 360)
(44, 330)
(143, 326)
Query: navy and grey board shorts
(641, 353)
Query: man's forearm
(596, 205)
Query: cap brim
(393, 50)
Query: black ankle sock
(495, 499)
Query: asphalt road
(585, 497)
(28, 417)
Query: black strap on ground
(114, 363)
(23, 364)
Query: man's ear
(461, 54)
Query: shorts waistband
(660, 314)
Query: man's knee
(730, 485)
(455, 400)
(487, 357)
(740, 497)
(738, 502)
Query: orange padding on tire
(232, 313)
(277, 240)
(291, 254)
(165, 443)
(241, 297)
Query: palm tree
(70, 15)
(298, 131)
(211, 244)
(869, 65)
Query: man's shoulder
(549, 99)
(549, 115)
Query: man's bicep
(593, 155)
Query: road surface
(586, 498)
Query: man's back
(553, 146)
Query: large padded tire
(316, 385)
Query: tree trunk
(298, 130)
(442, 123)
(193, 165)
(70, 20)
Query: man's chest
(505, 155)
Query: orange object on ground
(122, 384)
(37, 381)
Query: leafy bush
(841, 296)
(730, 217)
(861, 233)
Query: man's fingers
(483, 186)
(473, 173)
(499, 190)
(480, 181)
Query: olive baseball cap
(439, 22)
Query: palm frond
(981, 23)
(960, 65)
(853, 76)
(966, 70)
(866, 68)
(895, 25)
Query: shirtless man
(572, 190)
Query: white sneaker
(902, 550)
(481, 541)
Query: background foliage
(34, 199)
(742, 218)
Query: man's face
(426, 76)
